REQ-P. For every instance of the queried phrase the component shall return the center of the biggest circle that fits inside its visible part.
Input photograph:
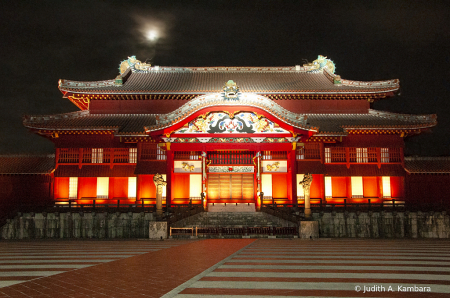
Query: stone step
(231, 219)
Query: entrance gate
(225, 188)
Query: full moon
(152, 35)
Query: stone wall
(383, 224)
(78, 225)
(136, 225)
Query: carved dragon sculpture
(187, 167)
(273, 167)
(319, 64)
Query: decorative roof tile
(27, 164)
(427, 165)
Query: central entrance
(230, 188)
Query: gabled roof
(427, 165)
(27, 164)
(205, 80)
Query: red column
(348, 185)
(138, 188)
(169, 175)
(380, 187)
(293, 177)
(322, 188)
(56, 158)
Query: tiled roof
(325, 124)
(95, 171)
(203, 80)
(27, 164)
(430, 165)
(334, 123)
(83, 120)
(365, 170)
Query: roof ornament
(231, 90)
(135, 65)
(319, 64)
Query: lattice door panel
(247, 187)
(227, 186)
(224, 186)
(213, 187)
(236, 186)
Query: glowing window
(386, 186)
(357, 187)
(385, 155)
(132, 186)
(195, 186)
(328, 189)
(266, 184)
(160, 154)
(102, 187)
(73, 187)
(97, 155)
(132, 155)
(300, 192)
(361, 155)
(300, 153)
(327, 155)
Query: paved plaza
(226, 268)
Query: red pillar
(169, 175)
(380, 187)
(138, 188)
(293, 177)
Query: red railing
(96, 155)
(362, 155)
(231, 157)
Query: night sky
(44, 41)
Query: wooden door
(230, 187)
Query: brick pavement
(149, 274)
(229, 268)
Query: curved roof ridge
(199, 80)
(421, 117)
(258, 101)
(69, 115)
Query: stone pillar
(159, 183)
(308, 230)
(306, 184)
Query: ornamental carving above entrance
(222, 122)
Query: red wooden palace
(230, 133)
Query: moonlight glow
(152, 35)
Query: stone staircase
(232, 220)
